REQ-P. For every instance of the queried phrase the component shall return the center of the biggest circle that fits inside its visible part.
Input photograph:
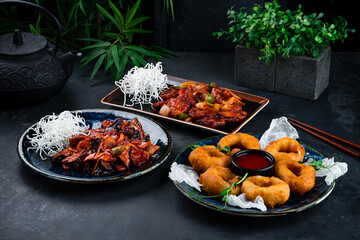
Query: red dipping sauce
(252, 161)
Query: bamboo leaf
(136, 22)
(129, 37)
(136, 30)
(72, 11)
(81, 4)
(142, 50)
(115, 56)
(118, 14)
(90, 39)
(172, 9)
(132, 11)
(91, 56)
(109, 16)
(138, 58)
(109, 62)
(111, 35)
(169, 6)
(134, 60)
(163, 51)
(123, 63)
(97, 45)
(97, 66)
(113, 73)
(38, 30)
(32, 28)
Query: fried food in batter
(286, 149)
(273, 190)
(215, 179)
(202, 158)
(300, 177)
(239, 141)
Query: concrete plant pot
(303, 77)
(251, 72)
(296, 76)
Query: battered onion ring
(202, 158)
(300, 177)
(216, 179)
(273, 190)
(239, 140)
(286, 149)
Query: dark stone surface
(150, 207)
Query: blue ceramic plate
(94, 117)
(296, 203)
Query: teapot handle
(43, 10)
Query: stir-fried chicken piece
(117, 147)
(199, 103)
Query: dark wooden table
(150, 206)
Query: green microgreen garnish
(225, 149)
(317, 164)
(225, 193)
(193, 146)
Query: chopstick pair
(324, 136)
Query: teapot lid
(17, 43)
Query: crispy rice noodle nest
(216, 179)
(239, 141)
(273, 190)
(300, 177)
(202, 158)
(286, 149)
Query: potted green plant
(283, 51)
(110, 33)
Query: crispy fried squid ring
(216, 179)
(239, 141)
(202, 158)
(273, 190)
(286, 149)
(300, 177)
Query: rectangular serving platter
(253, 105)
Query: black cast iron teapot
(31, 69)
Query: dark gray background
(195, 21)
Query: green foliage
(116, 49)
(109, 32)
(276, 32)
(169, 8)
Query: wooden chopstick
(311, 130)
(336, 138)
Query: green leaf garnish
(225, 193)
(317, 164)
(225, 149)
(193, 146)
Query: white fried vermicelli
(52, 133)
(143, 84)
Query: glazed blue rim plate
(158, 135)
(296, 203)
